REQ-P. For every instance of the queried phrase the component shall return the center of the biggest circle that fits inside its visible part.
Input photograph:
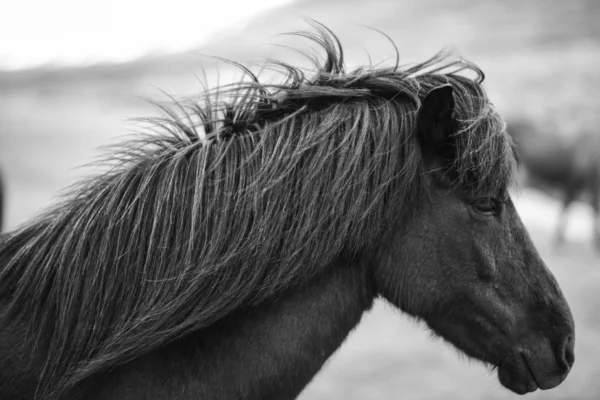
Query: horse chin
(517, 376)
(526, 367)
(525, 374)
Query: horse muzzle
(538, 365)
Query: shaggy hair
(231, 202)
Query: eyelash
(488, 206)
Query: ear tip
(445, 88)
(442, 93)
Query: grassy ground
(541, 58)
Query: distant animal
(228, 254)
(569, 166)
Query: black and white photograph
(300, 199)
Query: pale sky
(34, 32)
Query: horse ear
(434, 118)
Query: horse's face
(468, 268)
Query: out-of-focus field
(542, 60)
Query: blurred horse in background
(560, 165)
(229, 254)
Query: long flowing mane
(231, 202)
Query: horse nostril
(566, 354)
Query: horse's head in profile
(464, 263)
(283, 211)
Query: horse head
(465, 264)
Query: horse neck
(271, 351)
(20, 363)
(18, 366)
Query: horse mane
(227, 203)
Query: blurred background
(73, 73)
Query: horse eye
(487, 206)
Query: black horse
(230, 254)
(570, 166)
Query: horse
(229, 250)
(570, 166)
